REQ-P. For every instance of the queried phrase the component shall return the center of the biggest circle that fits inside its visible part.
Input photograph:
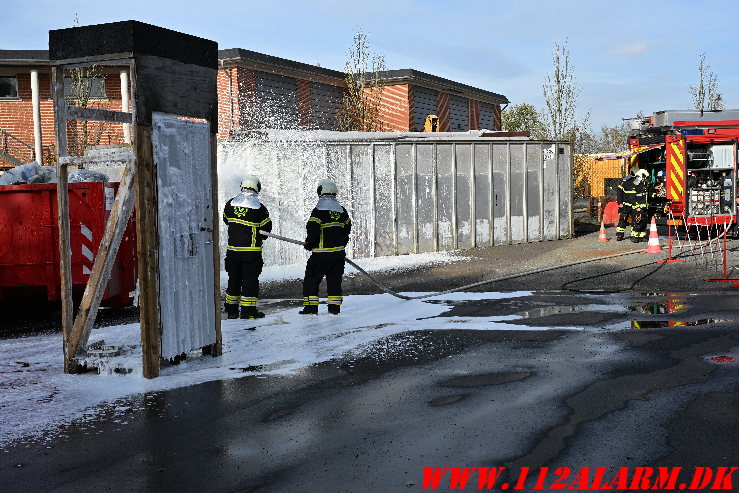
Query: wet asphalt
(636, 387)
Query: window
(93, 87)
(8, 87)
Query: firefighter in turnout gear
(245, 215)
(632, 203)
(327, 235)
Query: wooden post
(217, 348)
(62, 197)
(104, 259)
(147, 242)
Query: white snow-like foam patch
(36, 396)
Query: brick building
(254, 91)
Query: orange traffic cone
(653, 245)
(602, 238)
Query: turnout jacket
(328, 230)
(631, 194)
(243, 224)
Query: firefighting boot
(310, 305)
(334, 309)
(232, 311)
(620, 236)
(634, 239)
(250, 313)
(309, 310)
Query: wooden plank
(118, 157)
(96, 114)
(104, 260)
(148, 250)
(62, 196)
(217, 348)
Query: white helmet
(327, 187)
(643, 173)
(251, 182)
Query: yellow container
(590, 174)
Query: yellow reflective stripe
(314, 219)
(310, 300)
(265, 222)
(676, 183)
(232, 300)
(245, 223)
(325, 250)
(244, 249)
(678, 159)
(329, 225)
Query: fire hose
(461, 288)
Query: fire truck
(691, 157)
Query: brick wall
(16, 116)
(303, 100)
(474, 115)
(394, 112)
(442, 109)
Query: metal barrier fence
(411, 195)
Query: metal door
(186, 277)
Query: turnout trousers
(320, 265)
(639, 220)
(243, 270)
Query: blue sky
(628, 56)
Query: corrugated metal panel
(487, 115)
(182, 156)
(325, 102)
(277, 96)
(459, 113)
(424, 104)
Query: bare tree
(560, 95)
(705, 94)
(360, 105)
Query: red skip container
(29, 243)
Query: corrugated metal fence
(415, 196)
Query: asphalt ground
(576, 387)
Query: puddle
(657, 324)
(268, 367)
(658, 307)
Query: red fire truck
(691, 157)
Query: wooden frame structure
(170, 72)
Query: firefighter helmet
(643, 173)
(326, 187)
(251, 182)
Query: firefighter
(245, 215)
(632, 203)
(327, 235)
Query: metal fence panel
(384, 191)
(565, 190)
(425, 197)
(501, 203)
(482, 195)
(405, 180)
(362, 212)
(517, 191)
(463, 154)
(533, 192)
(446, 220)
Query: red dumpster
(29, 243)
